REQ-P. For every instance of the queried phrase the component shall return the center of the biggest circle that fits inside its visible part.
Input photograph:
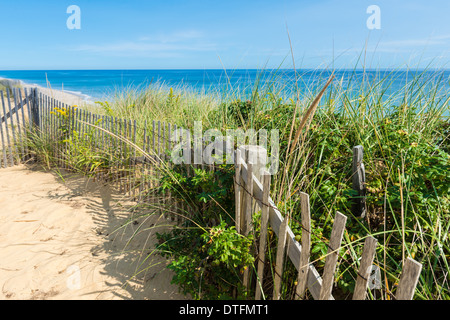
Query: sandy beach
(62, 240)
(67, 97)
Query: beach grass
(406, 138)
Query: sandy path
(57, 241)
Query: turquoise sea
(100, 84)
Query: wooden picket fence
(136, 154)
(141, 150)
(26, 113)
(15, 125)
(250, 191)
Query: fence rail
(33, 113)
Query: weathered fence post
(303, 269)
(281, 248)
(258, 157)
(247, 226)
(408, 280)
(359, 182)
(237, 190)
(365, 268)
(35, 108)
(332, 256)
(263, 235)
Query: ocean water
(101, 84)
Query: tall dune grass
(406, 138)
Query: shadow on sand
(128, 239)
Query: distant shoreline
(69, 97)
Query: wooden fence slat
(8, 140)
(408, 280)
(169, 135)
(181, 202)
(116, 150)
(248, 194)
(51, 126)
(133, 163)
(150, 172)
(29, 113)
(82, 125)
(302, 279)
(145, 186)
(101, 141)
(75, 125)
(5, 161)
(62, 145)
(44, 116)
(153, 136)
(358, 182)
(67, 122)
(123, 128)
(62, 140)
(35, 116)
(266, 177)
(362, 279)
(106, 145)
(24, 127)
(159, 140)
(332, 255)
(13, 131)
(29, 104)
(126, 130)
(55, 104)
(129, 153)
(281, 248)
(143, 176)
(237, 191)
(164, 139)
(70, 115)
(248, 227)
(172, 203)
(19, 126)
(40, 106)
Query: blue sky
(138, 34)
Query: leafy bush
(208, 262)
(208, 255)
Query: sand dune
(60, 241)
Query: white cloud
(171, 44)
(408, 44)
(178, 36)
